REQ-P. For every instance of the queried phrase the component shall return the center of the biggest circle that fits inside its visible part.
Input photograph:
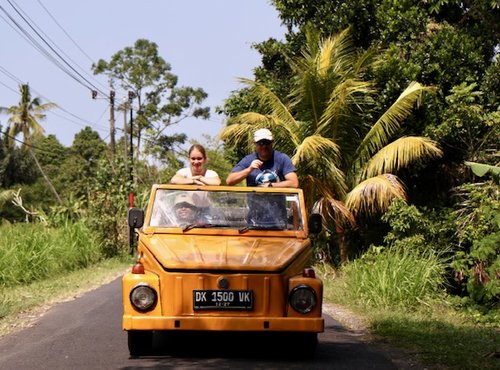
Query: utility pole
(112, 130)
(131, 96)
(112, 125)
(126, 106)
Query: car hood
(227, 253)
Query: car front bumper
(272, 324)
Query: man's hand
(256, 164)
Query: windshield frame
(297, 230)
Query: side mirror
(315, 223)
(135, 217)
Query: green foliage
(477, 261)
(467, 129)
(50, 152)
(469, 235)
(108, 207)
(400, 276)
(32, 252)
(346, 152)
(17, 168)
(161, 103)
(422, 229)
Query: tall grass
(395, 277)
(33, 252)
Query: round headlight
(303, 298)
(143, 297)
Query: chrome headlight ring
(143, 297)
(303, 298)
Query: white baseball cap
(262, 134)
(184, 198)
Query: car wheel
(140, 342)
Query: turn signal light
(308, 272)
(138, 268)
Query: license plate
(222, 299)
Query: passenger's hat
(262, 134)
(184, 198)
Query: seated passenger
(185, 209)
(267, 211)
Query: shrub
(395, 277)
(477, 261)
(31, 252)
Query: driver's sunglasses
(184, 205)
(264, 142)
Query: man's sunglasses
(184, 205)
(264, 142)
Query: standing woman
(196, 173)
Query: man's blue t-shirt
(279, 163)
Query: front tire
(140, 342)
(305, 345)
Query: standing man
(266, 166)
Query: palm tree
(345, 159)
(24, 119)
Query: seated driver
(185, 210)
(265, 209)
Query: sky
(206, 42)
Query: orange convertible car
(220, 258)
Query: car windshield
(243, 211)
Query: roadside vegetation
(391, 114)
(402, 298)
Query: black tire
(306, 345)
(140, 342)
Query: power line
(71, 39)
(25, 34)
(8, 87)
(66, 33)
(31, 145)
(82, 80)
(86, 122)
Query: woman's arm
(180, 179)
(212, 179)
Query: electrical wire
(66, 33)
(81, 80)
(86, 122)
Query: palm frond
(319, 158)
(240, 132)
(336, 55)
(270, 103)
(335, 214)
(401, 153)
(347, 94)
(374, 195)
(387, 125)
(5, 196)
(314, 148)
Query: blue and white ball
(266, 176)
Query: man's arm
(291, 181)
(236, 177)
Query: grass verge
(439, 336)
(436, 334)
(21, 305)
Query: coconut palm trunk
(24, 119)
(51, 187)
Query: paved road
(86, 334)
